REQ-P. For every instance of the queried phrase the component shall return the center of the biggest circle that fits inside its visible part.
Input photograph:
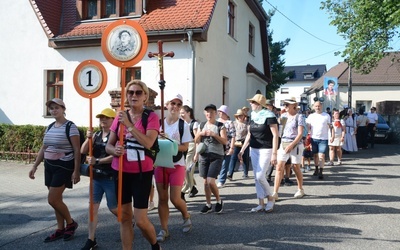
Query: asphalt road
(356, 206)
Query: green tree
(276, 51)
(368, 26)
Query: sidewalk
(356, 206)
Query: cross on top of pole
(160, 55)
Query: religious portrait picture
(330, 87)
(123, 43)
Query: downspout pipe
(193, 54)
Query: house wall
(24, 61)
(370, 95)
(231, 63)
(295, 90)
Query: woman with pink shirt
(137, 164)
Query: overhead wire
(322, 40)
(315, 57)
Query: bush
(22, 138)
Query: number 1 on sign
(89, 73)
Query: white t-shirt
(172, 131)
(372, 117)
(319, 125)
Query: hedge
(21, 139)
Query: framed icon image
(124, 43)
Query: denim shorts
(105, 186)
(319, 146)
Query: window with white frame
(54, 85)
(98, 9)
(284, 90)
(134, 73)
(251, 38)
(231, 18)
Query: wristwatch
(130, 129)
(97, 161)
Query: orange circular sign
(90, 78)
(124, 43)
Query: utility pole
(349, 91)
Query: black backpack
(191, 128)
(81, 136)
(152, 152)
(180, 153)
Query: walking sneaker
(193, 192)
(220, 185)
(90, 244)
(206, 209)
(229, 177)
(288, 182)
(70, 230)
(330, 163)
(162, 235)
(183, 197)
(269, 207)
(58, 234)
(339, 162)
(299, 193)
(275, 196)
(219, 207)
(151, 205)
(308, 168)
(259, 208)
(187, 225)
(315, 171)
(303, 170)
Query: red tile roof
(166, 15)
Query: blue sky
(303, 49)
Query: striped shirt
(55, 140)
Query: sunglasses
(135, 92)
(176, 104)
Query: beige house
(220, 46)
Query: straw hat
(239, 112)
(260, 99)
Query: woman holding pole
(137, 167)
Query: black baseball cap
(211, 106)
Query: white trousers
(261, 162)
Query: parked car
(382, 131)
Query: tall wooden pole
(121, 142)
(160, 56)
